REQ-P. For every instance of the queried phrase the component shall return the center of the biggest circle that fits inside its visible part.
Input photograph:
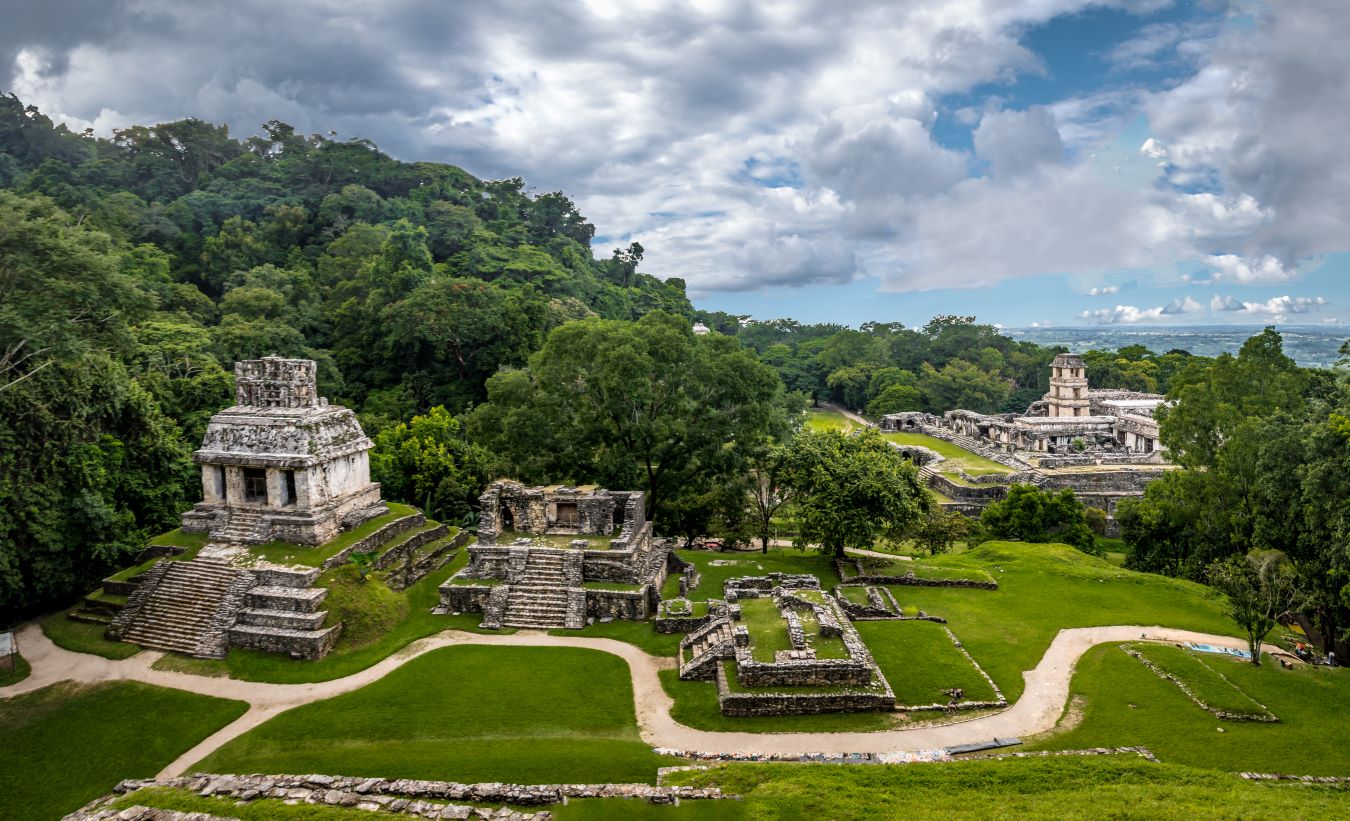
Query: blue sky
(1061, 162)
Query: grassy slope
(1125, 703)
(821, 419)
(288, 553)
(66, 744)
(1043, 588)
(955, 455)
(532, 715)
(1202, 678)
(1114, 787)
(919, 661)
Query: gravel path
(1039, 708)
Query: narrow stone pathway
(1039, 708)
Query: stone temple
(283, 467)
(282, 464)
(1102, 444)
(558, 557)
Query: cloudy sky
(1057, 162)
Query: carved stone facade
(282, 464)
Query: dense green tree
(428, 462)
(851, 491)
(646, 403)
(1030, 514)
(1260, 586)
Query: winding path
(1039, 708)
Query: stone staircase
(239, 527)
(539, 595)
(701, 650)
(178, 610)
(284, 617)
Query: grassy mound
(955, 457)
(84, 637)
(526, 714)
(18, 674)
(67, 744)
(1123, 702)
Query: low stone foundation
(783, 703)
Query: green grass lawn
(311, 556)
(768, 630)
(1077, 787)
(522, 714)
(955, 455)
(819, 419)
(67, 744)
(696, 706)
(381, 622)
(18, 674)
(781, 559)
(640, 633)
(923, 569)
(919, 661)
(1202, 678)
(1123, 702)
(1046, 587)
(83, 637)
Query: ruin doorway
(508, 521)
(255, 485)
(567, 513)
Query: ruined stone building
(1102, 444)
(282, 464)
(557, 556)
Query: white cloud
(1277, 308)
(1104, 290)
(1129, 314)
(1233, 268)
(787, 143)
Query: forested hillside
(135, 270)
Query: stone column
(234, 485)
(211, 489)
(276, 487)
(301, 488)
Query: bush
(1030, 514)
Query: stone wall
(615, 604)
(383, 534)
(780, 704)
(300, 644)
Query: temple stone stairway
(178, 610)
(238, 527)
(701, 650)
(539, 597)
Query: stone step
(285, 619)
(300, 600)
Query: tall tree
(851, 491)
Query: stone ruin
(282, 464)
(558, 557)
(1102, 444)
(797, 681)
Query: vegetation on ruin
(1122, 786)
(311, 556)
(1118, 701)
(532, 715)
(67, 744)
(955, 457)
